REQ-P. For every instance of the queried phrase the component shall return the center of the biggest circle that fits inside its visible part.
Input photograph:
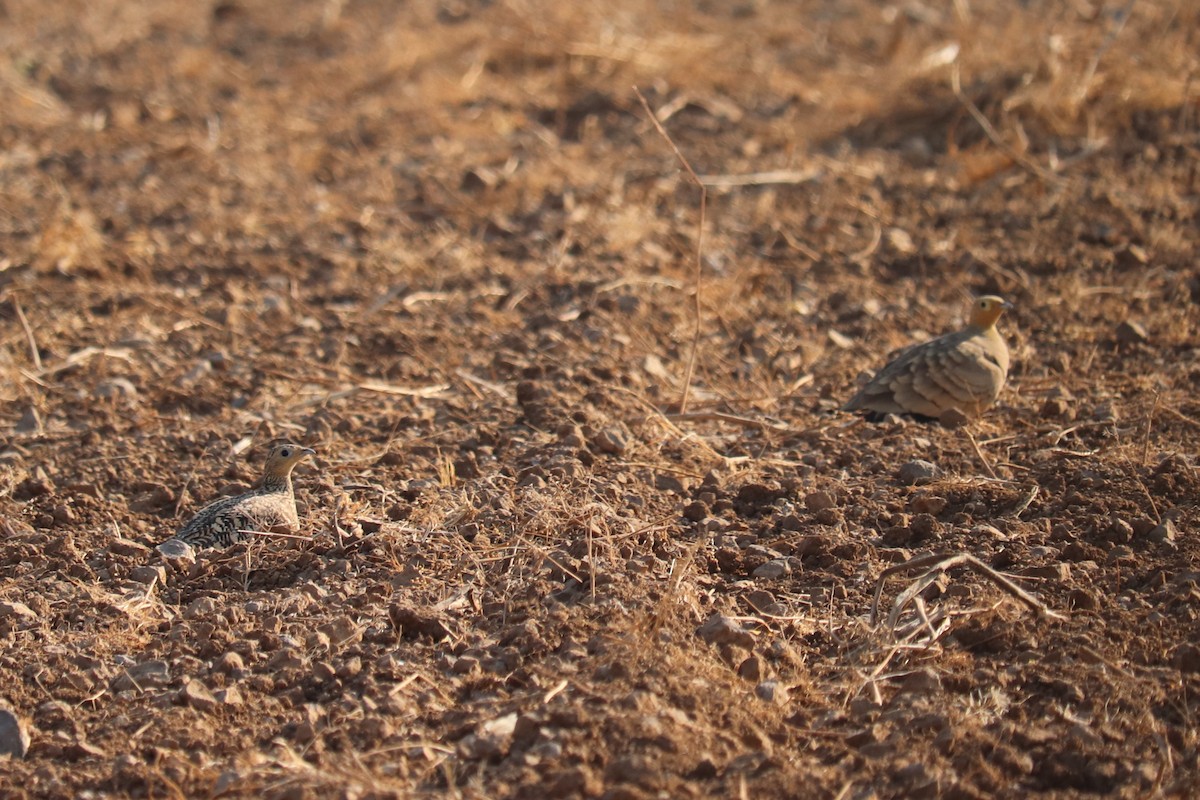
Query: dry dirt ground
(443, 244)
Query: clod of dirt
(14, 736)
(1187, 658)
(412, 622)
(719, 629)
(918, 472)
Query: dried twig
(935, 563)
(691, 362)
(33, 346)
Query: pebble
(17, 610)
(775, 568)
(176, 550)
(819, 501)
(771, 692)
(196, 694)
(719, 629)
(149, 574)
(121, 546)
(1130, 332)
(918, 472)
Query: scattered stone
(918, 472)
(129, 548)
(229, 696)
(492, 739)
(196, 694)
(1130, 332)
(611, 441)
(148, 674)
(775, 568)
(751, 669)
(14, 736)
(149, 574)
(17, 611)
(719, 629)
(1162, 533)
(199, 607)
(772, 692)
(177, 550)
(923, 681)
(229, 663)
(695, 511)
(341, 631)
(819, 501)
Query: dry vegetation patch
(442, 244)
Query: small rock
(1162, 533)
(177, 550)
(14, 737)
(149, 574)
(230, 663)
(115, 389)
(229, 696)
(17, 611)
(341, 631)
(1130, 332)
(771, 692)
(719, 629)
(775, 568)
(199, 607)
(146, 675)
(918, 472)
(695, 511)
(611, 441)
(127, 547)
(492, 739)
(819, 501)
(196, 694)
(751, 669)
(923, 681)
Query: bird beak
(308, 451)
(1008, 306)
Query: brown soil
(442, 244)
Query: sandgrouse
(271, 506)
(964, 370)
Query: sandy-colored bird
(269, 507)
(964, 370)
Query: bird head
(987, 309)
(284, 457)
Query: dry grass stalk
(936, 563)
(691, 362)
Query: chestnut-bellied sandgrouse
(269, 507)
(964, 370)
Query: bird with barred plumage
(961, 371)
(270, 507)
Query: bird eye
(285, 452)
